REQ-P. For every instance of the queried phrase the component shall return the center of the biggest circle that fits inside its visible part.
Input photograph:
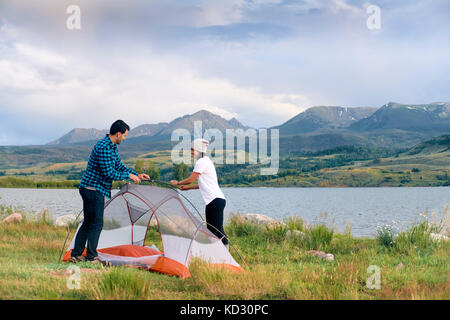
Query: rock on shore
(260, 219)
(15, 217)
(322, 255)
(64, 221)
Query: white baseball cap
(200, 145)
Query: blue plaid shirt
(103, 167)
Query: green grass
(276, 266)
(14, 182)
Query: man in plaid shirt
(103, 167)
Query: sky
(261, 61)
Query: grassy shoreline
(279, 267)
(18, 183)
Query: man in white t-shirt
(205, 172)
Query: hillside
(437, 145)
(21, 157)
(425, 164)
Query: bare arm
(184, 188)
(189, 180)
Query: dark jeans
(214, 218)
(93, 207)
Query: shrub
(276, 233)
(414, 239)
(236, 226)
(386, 236)
(417, 237)
(295, 223)
(6, 211)
(44, 218)
(317, 237)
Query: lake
(363, 208)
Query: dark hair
(119, 126)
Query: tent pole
(68, 233)
(176, 190)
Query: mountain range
(392, 126)
(162, 130)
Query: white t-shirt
(207, 181)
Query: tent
(134, 211)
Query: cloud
(260, 60)
(69, 92)
(40, 56)
(221, 112)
